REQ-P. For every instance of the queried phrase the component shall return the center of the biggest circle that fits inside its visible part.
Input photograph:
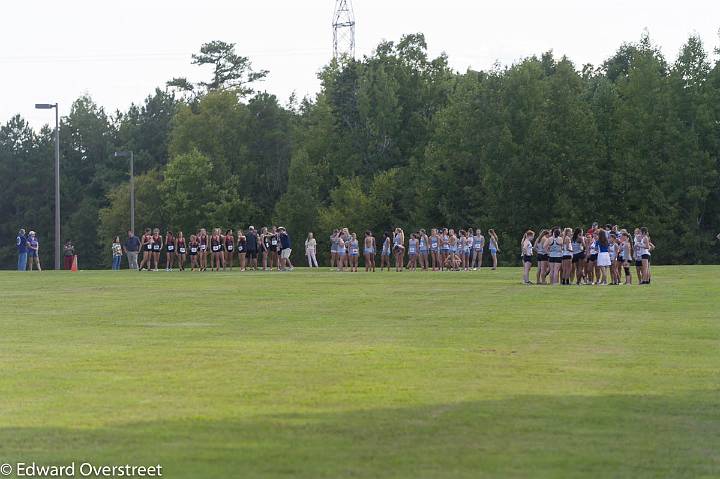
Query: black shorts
(621, 259)
(168, 250)
(555, 259)
(543, 257)
(182, 251)
(567, 257)
(273, 248)
(646, 256)
(527, 259)
(193, 254)
(592, 258)
(638, 263)
(251, 254)
(156, 250)
(148, 248)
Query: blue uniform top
(285, 240)
(21, 243)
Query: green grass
(328, 375)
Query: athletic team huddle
(594, 257)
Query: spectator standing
(132, 249)
(33, 250)
(116, 254)
(310, 250)
(68, 254)
(21, 242)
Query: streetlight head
(44, 106)
(121, 154)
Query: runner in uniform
(170, 251)
(241, 248)
(181, 250)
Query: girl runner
(341, 254)
(444, 248)
(386, 251)
(157, 246)
(493, 247)
(625, 256)
(543, 258)
(578, 259)
(169, 250)
(435, 249)
(369, 251)
(194, 252)
(412, 252)
(590, 274)
(478, 246)
(526, 247)
(229, 255)
(399, 249)
(553, 245)
(274, 242)
(452, 261)
(645, 247)
(241, 248)
(202, 240)
(216, 249)
(613, 252)
(567, 256)
(333, 248)
(147, 248)
(354, 253)
(181, 250)
(265, 245)
(469, 250)
(424, 241)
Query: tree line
(395, 139)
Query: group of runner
(598, 256)
(443, 249)
(272, 245)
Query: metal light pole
(131, 155)
(48, 106)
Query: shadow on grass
(529, 436)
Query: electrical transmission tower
(343, 29)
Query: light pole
(131, 155)
(49, 106)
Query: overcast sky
(118, 52)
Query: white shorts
(285, 254)
(603, 259)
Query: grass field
(328, 375)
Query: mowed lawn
(329, 375)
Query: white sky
(118, 52)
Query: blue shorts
(32, 254)
(369, 251)
(423, 250)
(493, 251)
(386, 253)
(467, 252)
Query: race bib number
(193, 250)
(203, 248)
(171, 248)
(274, 242)
(355, 251)
(240, 248)
(216, 248)
(229, 247)
(182, 250)
(156, 247)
